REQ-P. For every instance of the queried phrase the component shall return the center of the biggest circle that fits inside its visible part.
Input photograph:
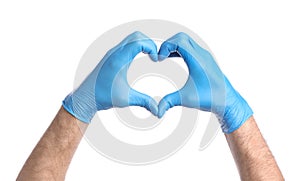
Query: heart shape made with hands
(207, 88)
(180, 45)
(107, 86)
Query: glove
(207, 88)
(106, 86)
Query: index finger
(138, 42)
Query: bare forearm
(251, 153)
(52, 155)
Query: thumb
(139, 99)
(167, 102)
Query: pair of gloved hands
(206, 89)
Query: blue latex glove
(107, 86)
(207, 88)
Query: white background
(256, 44)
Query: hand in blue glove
(107, 86)
(207, 88)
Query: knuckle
(183, 36)
(137, 34)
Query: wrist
(81, 105)
(235, 115)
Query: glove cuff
(236, 115)
(81, 108)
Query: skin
(52, 155)
(252, 156)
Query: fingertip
(163, 106)
(162, 54)
(169, 101)
(161, 57)
(143, 100)
(152, 106)
(154, 57)
(161, 113)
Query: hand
(207, 88)
(107, 86)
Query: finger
(138, 42)
(139, 99)
(167, 49)
(168, 102)
(179, 45)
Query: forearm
(251, 153)
(52, 155)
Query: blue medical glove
(106, 86)
(207, 88)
